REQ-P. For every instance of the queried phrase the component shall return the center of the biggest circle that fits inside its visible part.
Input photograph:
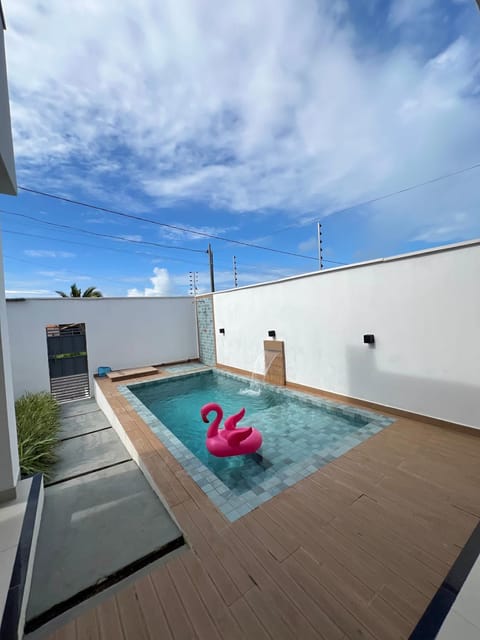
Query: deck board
(221, 615)
(131, 617)
(88, 625)
(355, 550)
(175, 613)
(193, 603)
(248, 622)
(152, 610)
(109, 620)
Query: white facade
(423, 309)
(9, 466)
(7, 165)
(121, 333)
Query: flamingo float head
(211, 406)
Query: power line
(66, 272)
(418, 185)
(85, 244)
(95, 246)
(101, 235)
(163, 224)
(250, 244)
(114, 237)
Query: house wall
(7, 165)
(9, 465)
(121, 333)
(424, 310)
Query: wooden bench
(125, 374)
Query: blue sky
(247, 120)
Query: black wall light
(271, 334)
(369, 338)
(222, 331)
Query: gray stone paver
(93, 526)
(83, 423)
(88, 453)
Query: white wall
(9, 465)
(424, 311)
(121, 333)
(7, 165)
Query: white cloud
(43, 253)
(191, 232)
(308, 245)
(402, 11)
(456, 227)
(27, 292)
(131, 237)
(161, 285)
(244, 106)
(224, 278)
(63, 276)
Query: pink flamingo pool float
(231, 440)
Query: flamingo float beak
(205, 419)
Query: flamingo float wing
(234, 438)
(232, 421)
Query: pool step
(125, 374)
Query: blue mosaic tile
(206, 324)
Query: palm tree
(76, 292)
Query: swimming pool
(301, 433)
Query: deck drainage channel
(86, 473)
(106, 583)
(87, 433)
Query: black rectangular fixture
(369, 338)
(271, 334)
(222, 331)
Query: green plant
(75, 292)
(38, 422)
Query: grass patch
(38, 422)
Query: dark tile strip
(86, 473)
(13, 604)
(436, 612)
(87, 433)
(107, 582)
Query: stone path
(101, 519)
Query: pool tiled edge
(234, 506)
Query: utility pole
(235, 273)
(320, 247)
(193, 275)
(212, 276)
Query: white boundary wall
(424, 310)
(121, 333)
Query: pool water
(300, 433)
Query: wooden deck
(356, 550)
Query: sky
(249, 121)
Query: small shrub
(38, 422)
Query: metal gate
(67, 361)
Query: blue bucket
(102, 371)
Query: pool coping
(231, 505)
